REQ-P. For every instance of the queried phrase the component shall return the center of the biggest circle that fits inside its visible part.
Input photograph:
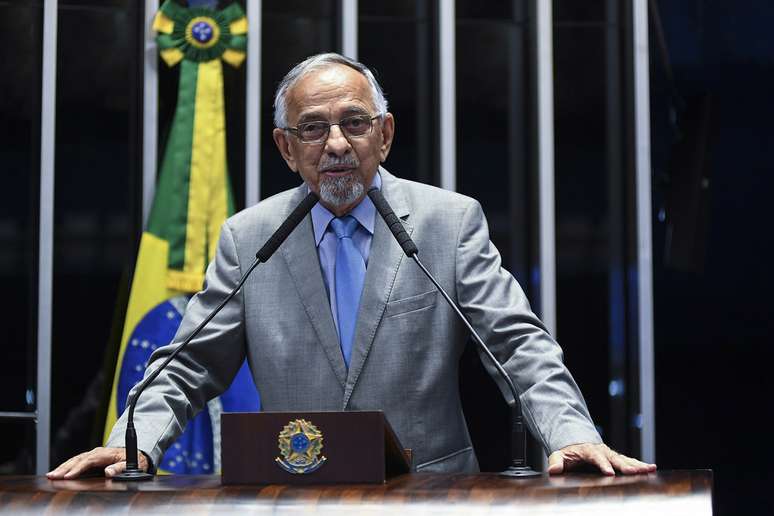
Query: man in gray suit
(339, 319)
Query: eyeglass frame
(295, 131)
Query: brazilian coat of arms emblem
(300, 444)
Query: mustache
(334, 162)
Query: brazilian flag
(193, 198)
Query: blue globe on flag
(197, 450)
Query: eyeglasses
(355, 126)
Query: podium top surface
(663, 493)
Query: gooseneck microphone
(518, 467)
(133, 471)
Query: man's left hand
(598, 455)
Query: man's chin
(340, 191)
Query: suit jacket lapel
(383, 262)
(300, 254)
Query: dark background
(714, 324)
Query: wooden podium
(303, 448)
(665, 493)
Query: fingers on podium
(556, 463)
(96, 458)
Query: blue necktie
(349, 276)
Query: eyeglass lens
(351, 126)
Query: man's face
(338, 169)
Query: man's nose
(337, 143)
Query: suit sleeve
(200, 372)
(553, 405)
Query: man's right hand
(112, 459)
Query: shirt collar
(364, 212)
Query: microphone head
(287, 227)
(393, 222)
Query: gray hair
(318, 62)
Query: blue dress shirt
(326, 241)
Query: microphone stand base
(133, 475)
(520, 472)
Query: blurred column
(46, 246)
(545, 144)
(644, 230)
(349, 28)
(254, 106)
(448, 95)
(150, 109)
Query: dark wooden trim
(663, 493)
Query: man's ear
(283, 144)
(388, 133)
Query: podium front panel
(352, 448)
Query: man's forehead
(332, 84)
(335, 73)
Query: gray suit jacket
(407, 344)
